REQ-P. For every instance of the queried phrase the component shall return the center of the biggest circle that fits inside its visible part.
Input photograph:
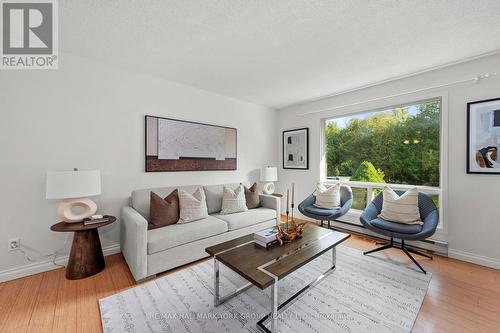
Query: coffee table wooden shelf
(265, 267)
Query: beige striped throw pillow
(233, 201)
(192, 206)
(327, 197)
(401, 209)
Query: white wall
(91, 116)
(471, 201)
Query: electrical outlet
(14, 244)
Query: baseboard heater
(434, 246)
(437, 247)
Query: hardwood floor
(462, 297)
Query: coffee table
(264, 268)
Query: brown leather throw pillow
(163, 212)
(252, 197)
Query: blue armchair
(429, 214)
(308, 209)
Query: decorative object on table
(307, 208)
(265, 238)
(296, 149)
(233, 201)
(268, 176)
(483, 137)
(178, 145)
(293, 200)
(291, 233)
(252, 197)
(429, 214)
(95, 219)
(86, 258)
(74, 188)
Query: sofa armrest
(272, 202)
(134, 241)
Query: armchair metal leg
(385, 247)
(419, 253)
(413, 259)
(404, 249)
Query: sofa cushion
(193, 206)
(163, 212)
(248, 218)
(252, 197)
(140, 200)
(400, 228)
(213, 194)
(178, 234)
(233, 200)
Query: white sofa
(149, 252)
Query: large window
(398, 145)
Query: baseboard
(46, 265)
(474, 258)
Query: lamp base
(268, 188)
(75, 210)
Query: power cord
(44, 256)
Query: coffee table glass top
(249, 259)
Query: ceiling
(279, 52)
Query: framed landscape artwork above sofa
(178, 145)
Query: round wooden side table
(86, 258)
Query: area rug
(363, 294)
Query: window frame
(383, 105)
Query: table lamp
(74, 188)
(268, 175)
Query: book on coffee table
(265, 238)
(266, 245)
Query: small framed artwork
(483, 137)
(296, 149)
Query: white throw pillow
(401, 209)
(327, 197)
(233, 201)
(192, 207)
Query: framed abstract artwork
(296, 149)
(483, 137)
(178, 145)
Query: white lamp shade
(73, 184)
(269, 174)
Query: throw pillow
(163, 212)
(401, 209)
(327, 197)
(252, 197)
(192, 206)
(233, 201)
